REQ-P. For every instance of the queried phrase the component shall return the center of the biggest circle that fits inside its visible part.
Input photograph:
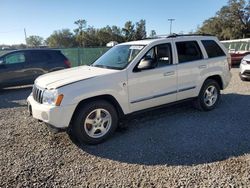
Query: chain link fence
(83, 56)
(237, 45)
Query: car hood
(60, 78)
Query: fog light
(45, 116)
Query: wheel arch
(216, 78)
(108, 98)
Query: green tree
(140, 31)
(79, 31)
(90, 37)
(104, 35)
(129, 31)
(230, 22)
(61, 39)
(34, 41)
(117, 34)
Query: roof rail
(157, 37)
(185, 35)
(174, 35)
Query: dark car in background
(22, 67)
(236, 57)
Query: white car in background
(245, 68)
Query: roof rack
(157, 37)
(174, 35)
(186, 35)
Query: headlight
(243, 62)
(51, 97)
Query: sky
(42, 17)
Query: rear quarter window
(212, 48)
(57, 55)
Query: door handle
(202, 66)
(169, 73)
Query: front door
(37, 63)
(157, 85)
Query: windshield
(118, 57)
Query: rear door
(12, 70)
(37, 65)
(191, 63)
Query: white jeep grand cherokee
(130, 77)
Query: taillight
(67, 63)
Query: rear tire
(94, 122)
(209, 96)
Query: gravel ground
(172, 147)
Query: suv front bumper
(56, 116)
(245, 70)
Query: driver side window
(160, 56)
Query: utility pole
(25, 35)
(171, 21)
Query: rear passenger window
(39, 57)
(188, 51)
(212, 48)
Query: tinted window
(188, 51)
(212, 48)
(36, 56)
(56, 55)
(15, 58)
(162, 54)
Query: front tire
(209, 96)
(94, 122)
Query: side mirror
(145, 64)
(1, 62)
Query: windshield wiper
(101, 66)
(107, 67)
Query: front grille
(247, 73)
(37, 94)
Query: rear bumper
(226, 79)
(58, 117)
(235, 62)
